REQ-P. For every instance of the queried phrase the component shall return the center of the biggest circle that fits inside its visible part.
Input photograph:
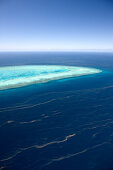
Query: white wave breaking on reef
(18, 76)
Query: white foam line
(72, 155)
(29, 106)
(20, 107)
(38, 147)
(8, 122)
(55, 142)
(32, 121)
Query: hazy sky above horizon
(56, 25)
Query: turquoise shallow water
(18, 76)
(62, 124)
(7, 73)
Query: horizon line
(48, 50)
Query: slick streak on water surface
(70, 131)
(21, 150)
(25, 106)
(38, 147)
(72, 155)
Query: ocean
(61, 124)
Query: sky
(56, 25)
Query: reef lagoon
(18, 76)
(59, 124)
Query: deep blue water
(63, 124)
